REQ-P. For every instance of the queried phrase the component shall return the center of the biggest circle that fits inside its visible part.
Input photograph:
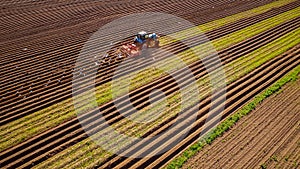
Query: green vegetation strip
(245, 64)
(231, 120)
(24, 128)
(191, 32)
(233, 71)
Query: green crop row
(231, 120)
(233, 71)
(26, 127)
(246, 64)
(194, 31)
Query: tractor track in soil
(266, 136)
(52, 139)
(60, 92)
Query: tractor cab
(140, 38)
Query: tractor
(141, 41)
(146, 40)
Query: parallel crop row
(40, 125)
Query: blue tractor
(146, 40)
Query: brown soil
(267, 137)
(28, 151)
(52, 45)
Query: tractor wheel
(144, 46)
(156, 44)
(153, 44)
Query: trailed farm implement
(141, 41)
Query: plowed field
(268, 137)
(256, 43)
